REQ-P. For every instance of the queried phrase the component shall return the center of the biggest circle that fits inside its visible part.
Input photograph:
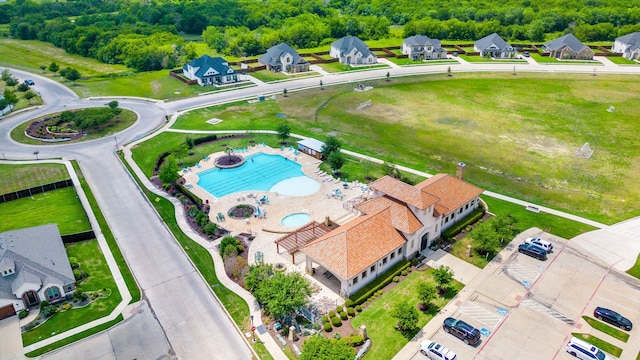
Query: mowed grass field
(60, 206)
(18, 177)
(519, 135)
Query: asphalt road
(187, 311)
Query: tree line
(147, 35)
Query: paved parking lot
(528, 309)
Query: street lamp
(253, 330)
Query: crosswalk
(522, 274)
(489, 319)
(541, 308)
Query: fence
(35, 190)
(81, 236)
(178, 75)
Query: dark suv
(462, 330)
(612, 317)
(533, 251)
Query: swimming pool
(261, 172)
(295, 220)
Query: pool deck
(266, 230)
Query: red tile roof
(451, 192)
(355, 246)
(402, 217)
(404, 192)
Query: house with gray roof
(494, 46)
(568, 47)
(283, 57)
(421, 47)
(210, 71)
(33, 267)
(628, 45)
(350, 50)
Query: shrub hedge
(343, 315)
(351, 312)
(327, 327)
(365, 293)
(203, 139)
(456, 228)
(339, 309)
(336, 321)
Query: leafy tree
(331, 144)
(388, 76)
(283, 132)
(169, 171)
(6, 75)
(257, 274)
(23, 87)
(70, 74)
(443, 276)
(113, 105)
(53, 67)
(505, 226)
(10, 97)
(43, 68)
(11, 81)
(426, 293)
(407, 316)
(486, 239)
(336, 161)
(3, 104)
(29, 95)
(284, 92)
(180, 152)
(228, 245)
(190, 142)
(283, 293)
(318, 347)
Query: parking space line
(618, 295)
(482, 315)
(522, 273)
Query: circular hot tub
(295, 220)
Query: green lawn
(635, 270)
(601, 344)
(386, 340)
(494, 122)
(479, 59)
(18, 177)
(543, 59)
(609, 330)
(335, 67)
(551, 60)
(269, 76)
(111, 127)
(621, 61)
(409, 62)
(60, 206)
(93, 262)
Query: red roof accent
(452, 193)
(353, 247)
(402, 217)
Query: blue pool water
(295, 220)
(260, 172)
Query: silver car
(540, 243)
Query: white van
(585, 351)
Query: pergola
(303, 235)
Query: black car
(533, 251)
(613, 318)
(462, 330)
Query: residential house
(628, 45)
(568, 47)
(421, 47)
(311, 147)
(210, 71)
(397, 223)
(34, 267)
(352, 51)
(495, 47)
(283, 57)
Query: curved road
(193, 321)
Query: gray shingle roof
(38, 254)
(205, 62)
(421, 40)
(273, 55)
(633, 38)
(347, 43)
(568, 40)
(493, 39)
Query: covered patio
(303, 235)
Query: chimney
(460, 170)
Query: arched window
(52, 293)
